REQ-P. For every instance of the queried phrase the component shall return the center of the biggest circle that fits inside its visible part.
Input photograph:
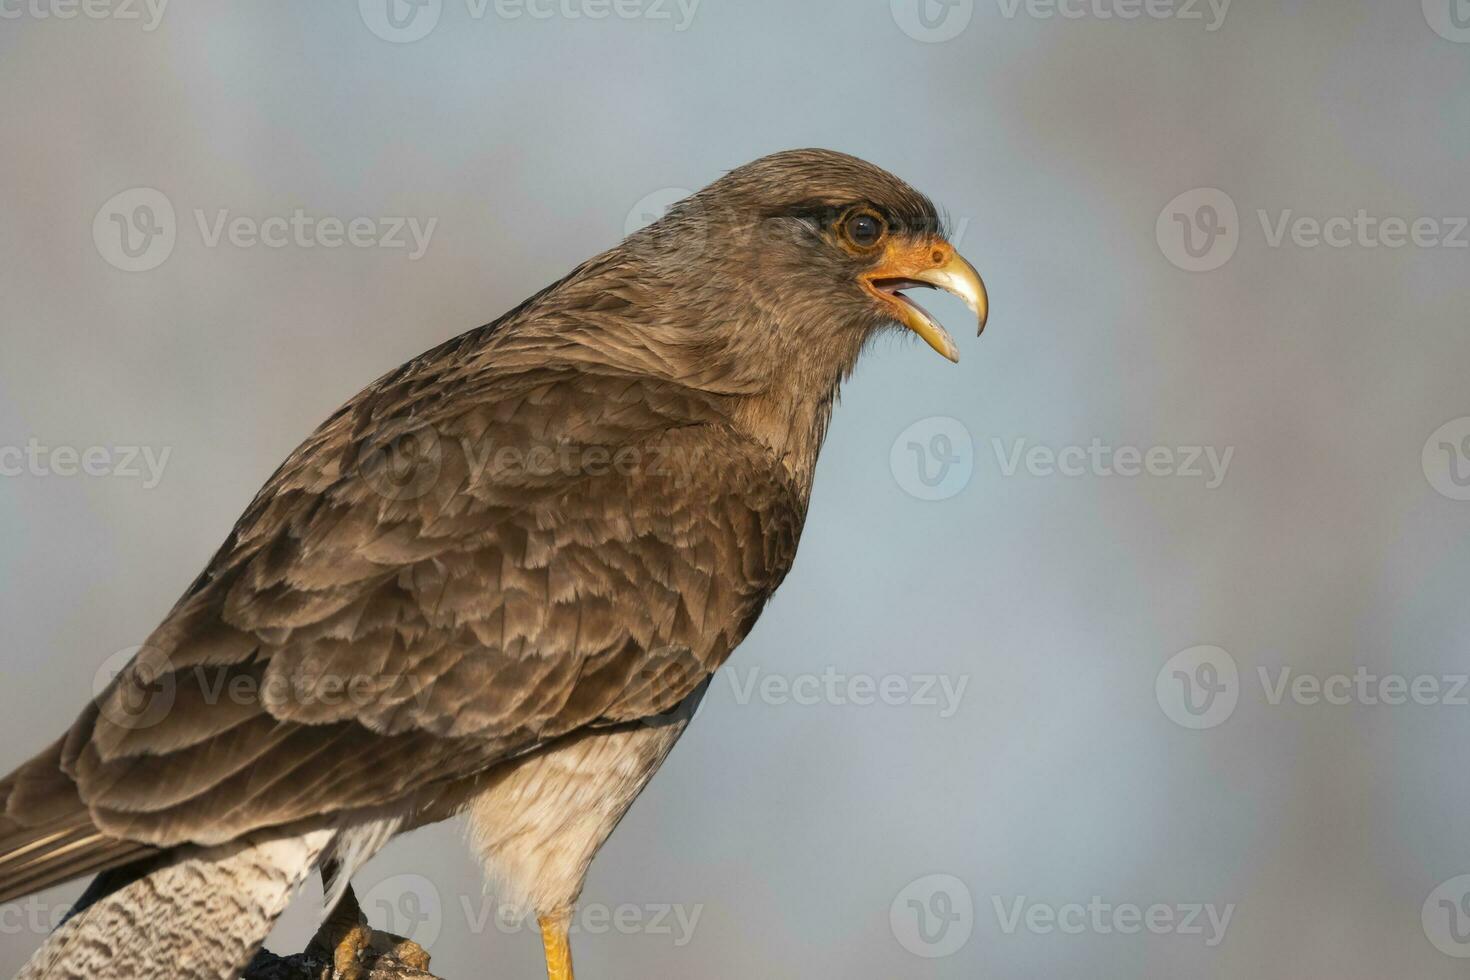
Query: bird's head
(824, 246)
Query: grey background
(793, 828)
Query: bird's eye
(863, 229)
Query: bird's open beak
(930, 265)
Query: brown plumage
(555, 525)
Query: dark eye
(864, 229)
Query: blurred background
(1131, 646)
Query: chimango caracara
(496, 581)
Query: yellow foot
(351, 949)
(347, 957)
(344, 940)
(558, 947)
(404, 951)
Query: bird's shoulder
(446, 445)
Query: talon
(342, 940)
(347, 956)
(405, 951)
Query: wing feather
(428, 586)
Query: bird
(495, 583)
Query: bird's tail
(47, 835)
(200, 915)
(35, 858)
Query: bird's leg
(558, 946)
(343, 937)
